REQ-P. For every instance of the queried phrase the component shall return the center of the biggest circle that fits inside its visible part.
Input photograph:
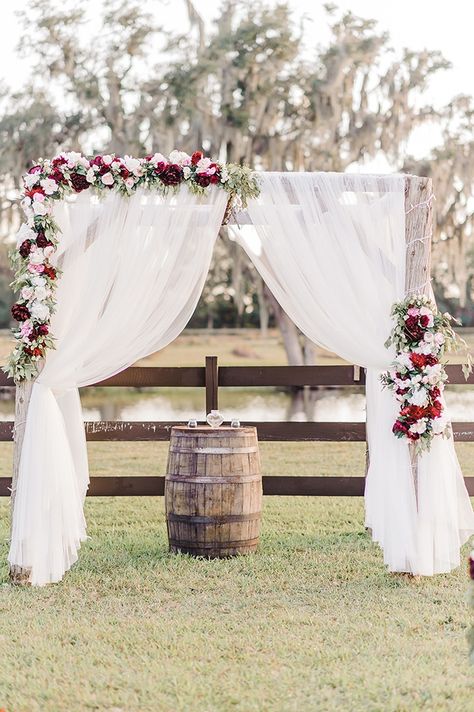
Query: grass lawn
(311, 623)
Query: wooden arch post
(418, 234)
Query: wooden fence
(212, 378)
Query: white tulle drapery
(331, 248)
(133, 270)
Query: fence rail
(211, 377)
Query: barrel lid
(213, 431)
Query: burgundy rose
(25, 248)
(196, 157)
(58, 161)
(42, 241)
(215, 178)
(42, 330)
(20, 312)
(203, 180)
(49, 272)
(57, 176)
(436, 409)
(399, 428)
(96, 161)
(431, 360)
(435, 393)
(172, 175)
(124, 172)
(424, 320)
(79, 182)
(160, 167)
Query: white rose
(439, 425)
(48, 251)
(224, 176)
(38, 281)
(31, 179)
(418, 427)
(107, 160)
(26, 293)
(158, 158)
(49, 186)
(40, 208)
(133, 165)
(72, 158)
(418, 397)
(439, 339)
(403, 360)
(129, 182)
(186, 172)
(203, 165)
(39, 311)
(180, 158)
(36, 257)
(90, 175)
(41, 293)
(107, 179)
(24, 233)
(428, 337)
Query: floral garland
(70, 173)
(421, 337)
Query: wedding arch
(110, 264)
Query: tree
(246, 91)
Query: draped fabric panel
(133, 271)
(331, 248)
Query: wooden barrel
(213, 491)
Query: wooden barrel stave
(213, 491)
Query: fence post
(212, 384)
(418, 234)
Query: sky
(417, 24)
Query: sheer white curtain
(133, 271)
(331, 248)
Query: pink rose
(107, 179)
(38, 269)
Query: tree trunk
(289, 332)
(263, 311)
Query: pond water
(245, 404)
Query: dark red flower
(160, 167)
(471, 567)
(424, 320)
(42, 330)
(35, 169)
(58, 161)
(215, 178)
(42, 241)
(57, 176)
(79, 182)
(399, 428)
(25, 248)
(20, 312)
(431, 360)
(203, 180)
(196, 157)
(30, 193)
(413, 436)
(124, 172)
(416, 412)
(418, 360)
(172, 175)
(49, 272)
(435, 393)
(37, 351)
(435, 409)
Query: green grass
(311, 622)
